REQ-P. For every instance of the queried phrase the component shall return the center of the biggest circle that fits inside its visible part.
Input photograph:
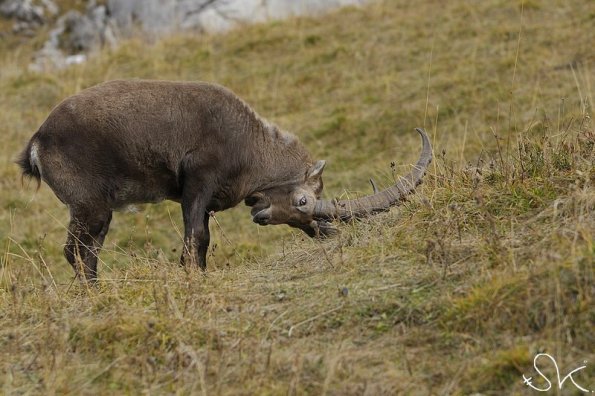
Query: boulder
(78, 33)
(28, 14)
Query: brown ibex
(126, 142)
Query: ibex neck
(282, 160)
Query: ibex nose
(263, 217)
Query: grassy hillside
(454, 292)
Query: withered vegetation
(452, 293)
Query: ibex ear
(315, 170)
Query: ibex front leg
(196, 228)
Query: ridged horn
(345, 210)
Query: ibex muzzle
(126, 142)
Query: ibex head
(292, 204)
(300, 205)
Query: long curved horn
(379, 201)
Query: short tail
(29, 164)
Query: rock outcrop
(75, 34)
(28, 14)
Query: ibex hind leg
(86, 233)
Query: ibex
(126, 142)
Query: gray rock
(28, 10)
(22, 10)
(77, 33)
(166, 16)
(74, 35)
(148, 16)
(84, 33)
(224, 15)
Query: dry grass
(453, 293)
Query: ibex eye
(303, 201)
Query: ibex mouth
(261, 217)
